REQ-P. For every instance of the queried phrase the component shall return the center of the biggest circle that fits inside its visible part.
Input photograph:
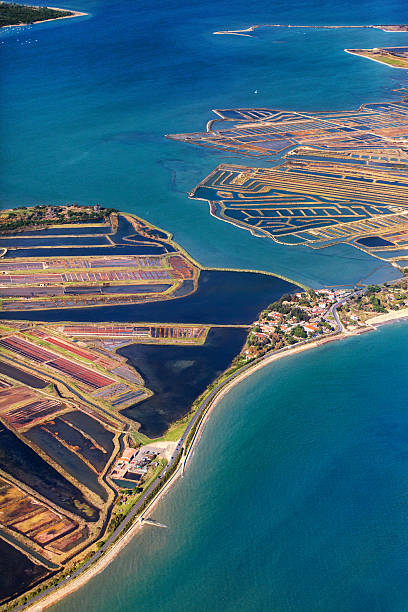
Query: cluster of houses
(134, 464)
(279, 328)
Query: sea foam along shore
(54, 8)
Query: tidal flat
(17, 571)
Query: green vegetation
(83, 507)
(376, 299)
(383, 55)
(299, 332)
(175, 431)
(377, 306)
(15, 14)
(285, 306)
(291, 319)
(43, 216)
(388, 59)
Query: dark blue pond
(126, 239)
(126, 234)
(374, 241)
(17, 572)
(223, 298)
(81, 252)
(77, 241)
(178, 375)
(117, 289)
(22, 462)
(69, 460)
(92, 427)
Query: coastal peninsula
(96, 420)
(13, 14)
(103, 320)
(180, 428)
(78, 416)
(396, 57)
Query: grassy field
(390, 60)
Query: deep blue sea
(296, 499)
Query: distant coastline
(245, 32)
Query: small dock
(149, 521)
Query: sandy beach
(394, 315)
(110, 555)
(375, 60)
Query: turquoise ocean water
(296, 499)
(85, 105)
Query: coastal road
(335, 314)
(205, 405)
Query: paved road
(335, 314)
(196, 418)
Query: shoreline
(375, 60)
(54, 8)
(243, 32)
(120, 544)
(109, 556)
(388, 317)
(123, 540)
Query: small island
(13, 14)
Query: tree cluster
(14, 14)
